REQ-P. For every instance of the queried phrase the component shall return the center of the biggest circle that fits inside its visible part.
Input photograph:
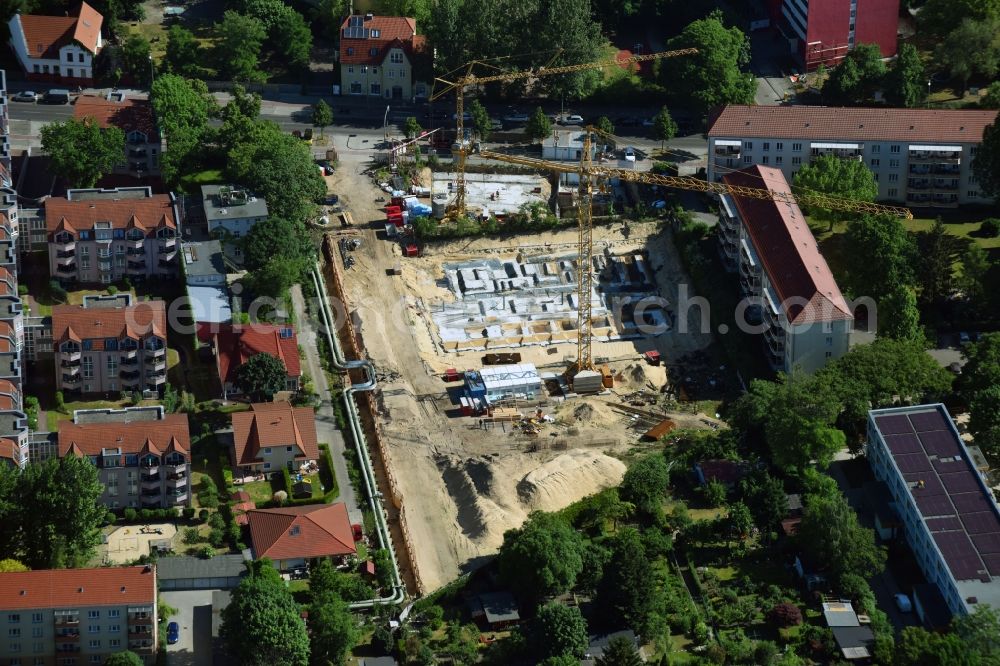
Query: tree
(261, 625)
(481, 122)
(857, 77)
(558, 630)
(276, 237)
(322, 115)
(982, 368)
(543, 557)
(907, 82)
(991, 100)
(765, 496)
(628, 592)
(539, 126)
(938, 251)
(80, 151)
(383, 568)
(714, 492)
(845, 179)
(972, 281)
(831, 533)
(986, 163)
(645, 484)
(182, 107)
(984, 419)
(715, 75)
(940, 17)
(798, 422)
(261, 376)
(971, 48)
(620, 651)
(137, 58)
(664, 127)
(412, 128)
(332, 629)
(292, 39)
(980, 633)
(605, 125)
(10, 565)
(126, 658)
(739, 522)
(277, 276)
(919, 647)
(898, 316)
(560, 660)
(184, 55)
(785, 614)
(239, 40)
(882, 257)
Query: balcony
(152, 492)
(69, 620)
(151, 482)
(71, 364)
(179, 469)
(157, 364)
(150, 470)
(140, 625)
(136, 267)
(68, 637)
(168, 244)
(130, 354)
(67, 647)
(68, 246)
(68, 380)
(136, 153)
(150, 503)
(129, 360)
(936, 157)
(141, 646)
(63, 258)
(177, 481)
(949, 185)
(178, 498)
(66, 270)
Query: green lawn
(53, 417)
(260, 491)
(192, 181)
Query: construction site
(491, 193)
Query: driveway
(326, 422)
(194, 615)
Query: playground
(129, 543)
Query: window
(746, 159)
(876, 149)
(763, 160)
(36, 618)
(13, 647)
(267, 465)
(893, 164)
(93, 628)
(350, 50)
(14, 633)
(402, 72)
(114, 628)
(396, 57)
(95, 659)
(350, 69)
(93, 615)
(972, 194)
(88, 373)
(14, 618)
(69, 71)
(267, 451)
(892, 192)
(894, 148)
(748, 145)
(115, 643)
(973, 150)
(829, 354)
(36, 632)
(893, 177)
(374, 70)
(796, 161)
(80, 58)
(94, 643)
(874, 162)
(779, 159)
(112, 365)
(373, 51)
(364, 69)
(767, 146)
(392, 73)
(779, 146)
(829, 341)
(288, 449)
(797, 147)
(376, 89)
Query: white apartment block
(919, 157)
(804, 318)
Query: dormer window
(376, 32)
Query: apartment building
(77, 617)
(142, 454)
(786, 282)
(949, 515)
(104, 236)
(379, 56)
(59, 49)
(234, 344)
(110, 349)
(824, 31)
(230, 213)
(273, 436)
(919, 157)
(135, 118)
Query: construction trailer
(503, 382)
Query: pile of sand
(590, 412)
(642, 376)
(568, 478)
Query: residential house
(598, 643)
(379, 56)
(230, 213)
(110, 350)
(135, 118)
(822, 32)
(78, 616)
(296, 536)
(273, 436)
(919, 157)
(727, 472)
(793, 514)
(104, 236)
(235, 343)
(205, 273)
(497, 611)
(142, 454)
(947, 510)
(59, 49)
(786, 282)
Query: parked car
(572, 119)
(647, 122)
(964, 337)
(332, 200)
(57, 96)
(630, 154)
(26, 96)
(173, 633)
(514, 116)
(903, 603)
(496, 124)
(466, 116)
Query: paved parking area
(194, 615)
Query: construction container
(466, 404)
(652, 357)
(391, 231)
(588, 381)
(397, 269)
(607, 377)
(411, 250)
(452, 375)
(393, 210)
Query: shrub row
(131, 515)
(326, 475)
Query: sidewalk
(326, 423)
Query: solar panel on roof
(905, 443)
(981, 522)
(893, 424)
(960, 482)
(987, 543)
(946, 524)
(992, 563)
(970, 502)
(949, 465)
(940, 443)
(925, 421)
(927, 484)
(913, 462)
(934, 505)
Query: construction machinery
(461, 147)
(588, 171)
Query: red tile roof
(128, 115)
(45, 35)
(788, 250)
(74, 322)
(316, 530)
(146, 214)
(78, 588)
(237, 343)
(274, 424)
(393, 32)
(167, 435)
(851, 123)
(9, 449)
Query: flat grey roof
(499, 607)
(91, 194)
(210, 304)
(120, 300)
(239, 204)
(220, 566)
(126, 415)
(204, 258)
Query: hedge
(131, 515)
(326, 475)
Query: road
(194, 615)
(326, 423)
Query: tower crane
(585, 251)
(469, 78)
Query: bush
(112, 289)
(130, 515)
(215, 537)
(286, 479)
(203, 515)
(785, 615)
(191, 536)
(109, 517)
(216, 522)
(188, 512)
(990, 227)
(205, 552)
(233, 535)
(326, 475)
